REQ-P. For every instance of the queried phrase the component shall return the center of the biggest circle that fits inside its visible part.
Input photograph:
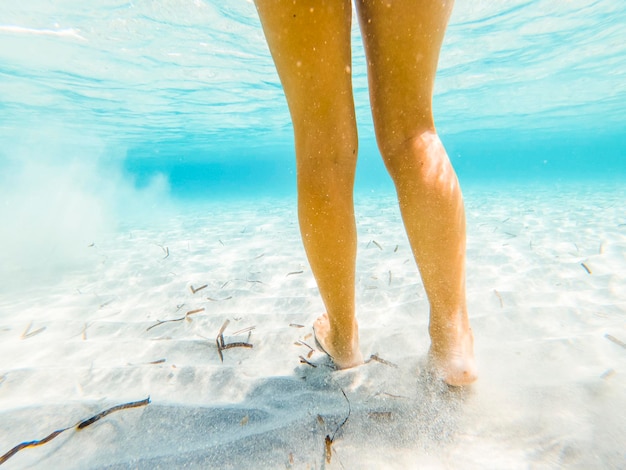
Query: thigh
(310, 45)
(402, 40)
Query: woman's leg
(310, 44)
(402, 41)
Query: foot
(452, 354)
(344, 352)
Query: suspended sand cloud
(58, 193)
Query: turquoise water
(133, 136)
(182, 96)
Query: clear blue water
(183, 95)
(114, 110)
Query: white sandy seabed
(547, 299)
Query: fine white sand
(546, 285)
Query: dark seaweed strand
(24, 445)
(328, 448)
(237, 345)
(93, 419)
(80, 425)
(328, 441)
(345, 420)
(219, 348)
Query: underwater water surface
(185, 91)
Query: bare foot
(452, 353)
(342, 349)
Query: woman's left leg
(310, 44)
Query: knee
(417, 158)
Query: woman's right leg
(402, 42)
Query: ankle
(343, 342)
(446, 323)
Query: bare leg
(310, 45)
(402, 42)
